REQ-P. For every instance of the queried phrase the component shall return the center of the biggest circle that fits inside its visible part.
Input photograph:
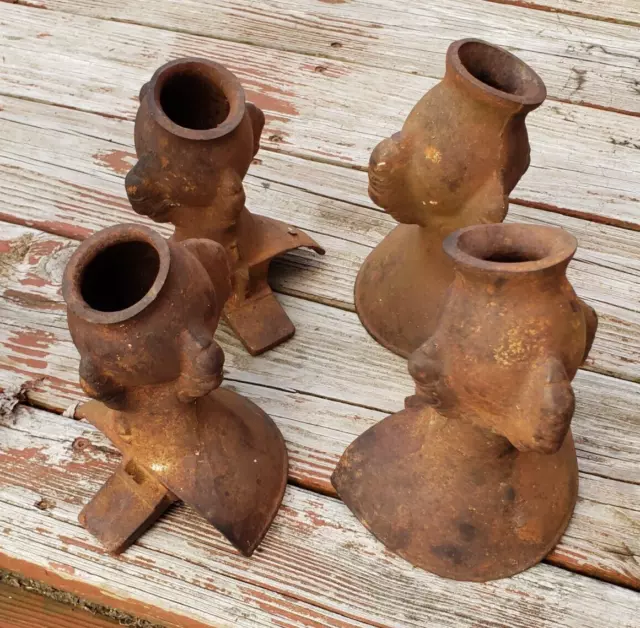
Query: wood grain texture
(324, 388)
(61, 170)
(23, 609)
(317, 567)
(614, 11)
(584, 160)
(581, 61)
(67, 180)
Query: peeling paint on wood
(342, 118)
(319, 72)
(119, 161)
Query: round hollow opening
(509, 244)
(496, 68)
(192, 100)
(119, 276)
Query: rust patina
(142, 312)
(461, 151)
(477, 477)
(195, 138)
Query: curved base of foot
(455, 500)
(400, 289)
(227, 460)
(259, 320)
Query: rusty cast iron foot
(195, 138)
(461, 151)
(142, 312)
(476, 479)
(129, 503)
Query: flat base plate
(260, 323)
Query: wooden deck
(333, 77)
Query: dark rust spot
(79, 444)
(45, 504)
(449, 552)
(467, 531)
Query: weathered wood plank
(310, 386)
(313, 410)
(317, 564)
(617, 11)
(584, 160)
(23, 609)
(581, 61)
(71, 183)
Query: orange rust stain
(5, 245)
(265, 95)
(43, 35)
(140, 561)
(333, 1)
(119, 161)
(211, 587)
(68, 569)
(167, 572)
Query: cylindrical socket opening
(497, 72)
(192, 100)
(196, 99)
(510, 248)
(116, 273)
(119, 276)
